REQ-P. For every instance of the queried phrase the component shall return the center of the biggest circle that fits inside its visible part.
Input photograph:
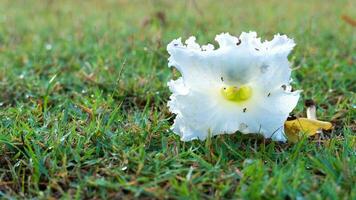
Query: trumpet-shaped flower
(244, 85)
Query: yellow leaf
(306, 126)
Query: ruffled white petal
(196, 100)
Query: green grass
(83, 102)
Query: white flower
(241, 86)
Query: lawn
(83, 102)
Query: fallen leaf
(295, 129)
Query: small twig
(349, 20)
(87, 110)
(6, 183)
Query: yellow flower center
(237, 94)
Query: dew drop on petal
(264, 68)
(242, 126)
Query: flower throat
(237, 94)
